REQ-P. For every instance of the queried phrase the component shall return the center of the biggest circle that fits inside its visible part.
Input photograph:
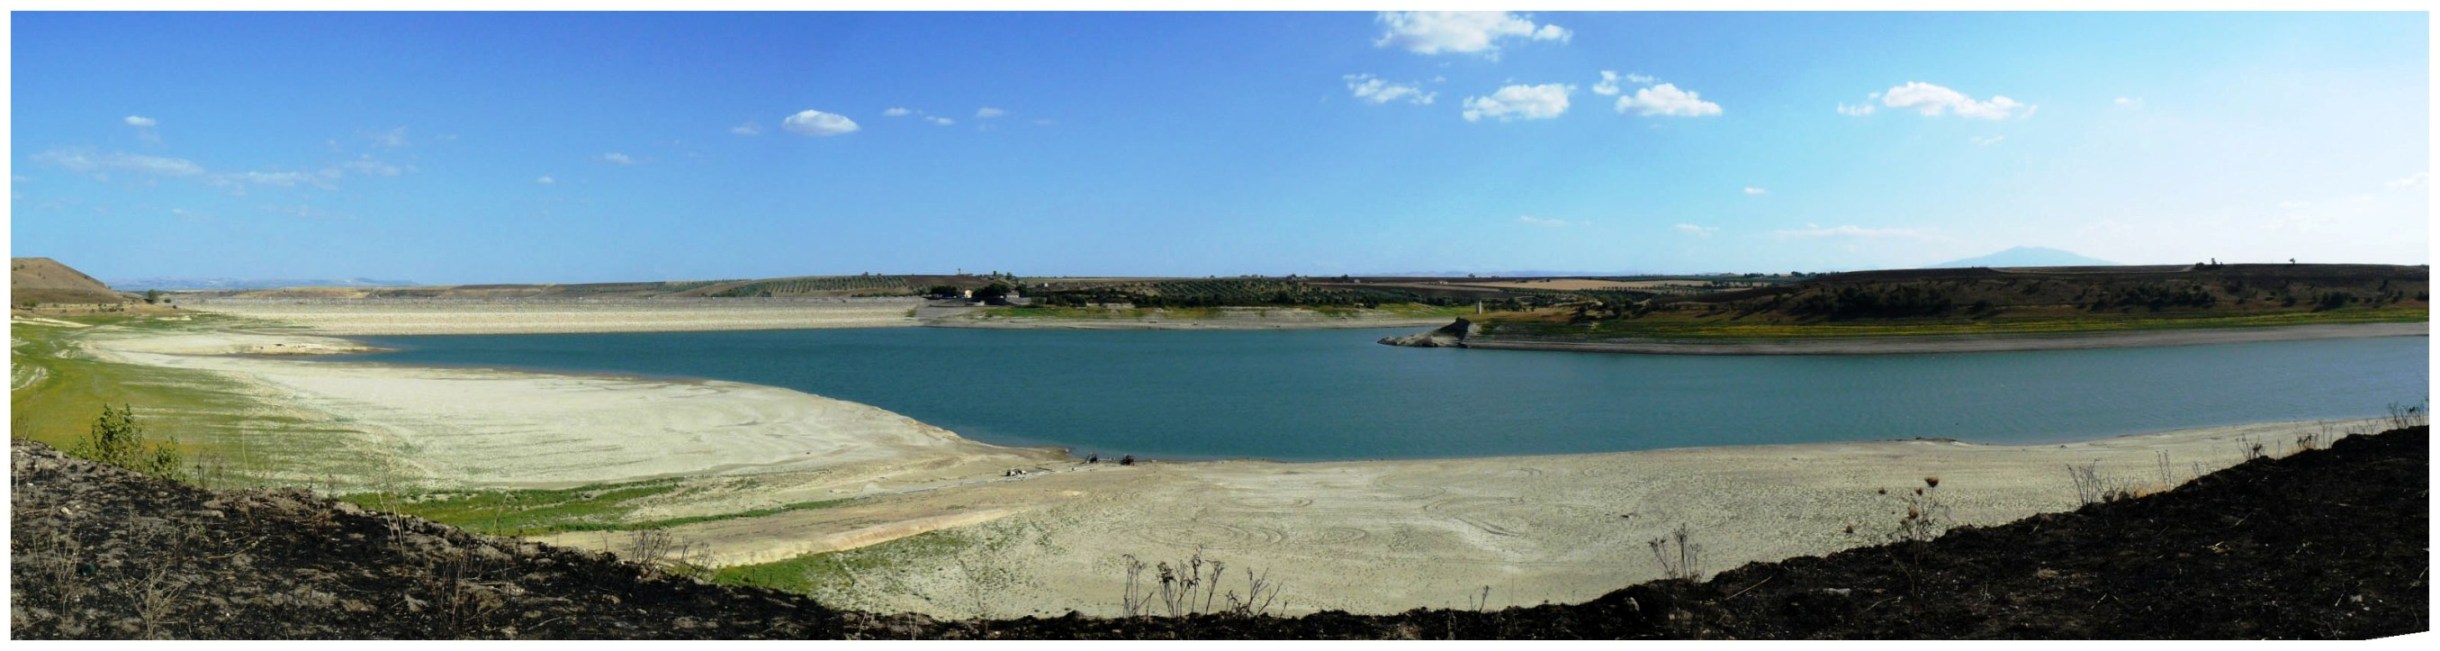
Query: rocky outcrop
(1453, 335)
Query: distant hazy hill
(141, 284)
(2026, 256)
(44, 280)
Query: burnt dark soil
(2323, 544)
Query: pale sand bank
(489, 428)
(378, 317)
(1368, 536)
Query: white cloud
(84, 161)
(1697, 231)
(2129, 102)
(1857, 110)
(391, 138)
(1608, 84)
(939, 120)
(1667, 99)
(2417, 180)
(141, 122)
(1934, 100)
(1752, 191)
(1815, 231)
(816, 123)
(619, 158)
(546, 180)
(1610, 78)
(1380, 91)
(896, 112)
(1520, 102)
(1531, 220)
(987, 113)
(1436, 32)
(1985, 141)
(747, 129)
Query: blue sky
(537, 147)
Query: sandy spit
(455, 427)
(1962, 343)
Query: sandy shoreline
(377, 317)
(1960, 343)
(1363, 536)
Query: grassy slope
(59, 392)
(231, 438)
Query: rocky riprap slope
(2324, 544)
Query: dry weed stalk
(1677, 554)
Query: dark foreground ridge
(2323, 544)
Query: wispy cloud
(84, 161)
(619, 158)
(2128, 102)
(747, 129)
(276, 179)
(2415, 181)
(1697, 231)
(1858, 110)
(1848, 231)
(1935, 100)
(1752, 191)
(1667, 100)
(935, 119)
(897, 112)
(393, 138)
(1381, 91)
(141, 122)
(547, 180)
(1520, 102)
(987, 113)
(366, 165)
(810, 122)
(1986, 141)
(1463, 32)
(1531, 220)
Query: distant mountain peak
(2026, 256)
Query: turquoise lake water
(1334, 394)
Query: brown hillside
(46, 281)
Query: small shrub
(661, 552)
(117, 439)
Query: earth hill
(44, 281)
(1991, 300)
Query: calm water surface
(1334, 394)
